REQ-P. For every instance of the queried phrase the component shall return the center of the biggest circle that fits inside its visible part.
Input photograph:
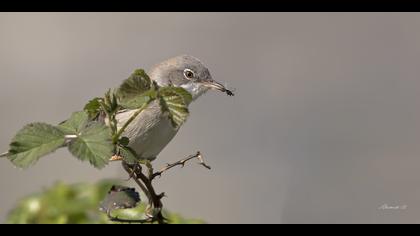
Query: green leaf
(34, 141)
(76, 204)
(93, 144)
(110, 103)
(138, 83)
(175, 101)
(76, 123)
(183, 93)
(93, 107)
(138, 100)
(124, 141)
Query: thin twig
(4, 154)
(182, 164)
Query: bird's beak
(212, 84)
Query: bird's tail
(4, 154)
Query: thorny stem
(132, 174)
(182, 164)
(145, 183)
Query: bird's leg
(180, 163)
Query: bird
(151, 131)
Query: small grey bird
(151, 131)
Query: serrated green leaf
(93, 107)
(138, 83)
(93, 144)
(175, 101)
(183, 93)
(34, 141)
(76, 123)
(137, 101)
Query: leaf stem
(71, 136)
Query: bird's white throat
(195, 89)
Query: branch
(4, 154)
(146, 185)
(132, 173)
(182, 164)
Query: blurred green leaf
(77, 204)
(75, 124)
(34, 141)
(93, 144)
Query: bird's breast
(150, 132)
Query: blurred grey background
(324, 127)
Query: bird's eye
(189, 74)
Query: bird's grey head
(187, 72)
